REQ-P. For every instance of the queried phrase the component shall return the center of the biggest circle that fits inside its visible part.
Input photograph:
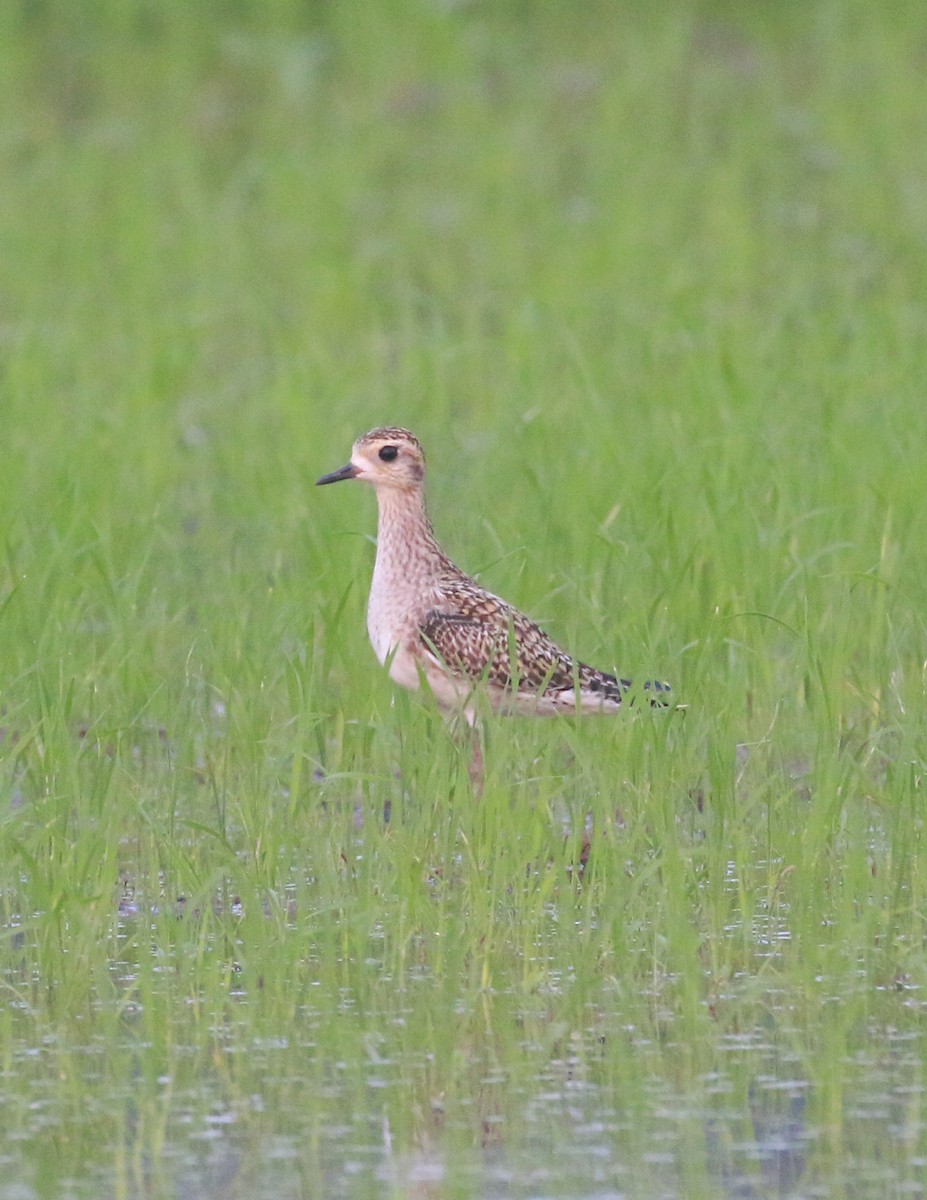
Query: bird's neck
(406, 545)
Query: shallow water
(447, 1092)
(575, 1139)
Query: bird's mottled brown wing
(481, 638)
(469, 647)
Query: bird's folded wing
(498, 646)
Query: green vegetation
(649, 282)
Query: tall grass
(649, 286)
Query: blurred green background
(650, 284)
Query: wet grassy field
(649, 284)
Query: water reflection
(413, 1086)
(772, 1161)
(279, 1117)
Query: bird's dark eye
(389, 453)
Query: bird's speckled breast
(404, 575)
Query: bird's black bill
(347, 472)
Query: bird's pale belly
(381, 635)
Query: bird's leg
(475, 767)
(468, 735)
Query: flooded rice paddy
(189, 1073)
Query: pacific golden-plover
(429, 621)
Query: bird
(432, 624)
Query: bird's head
(386, 458)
